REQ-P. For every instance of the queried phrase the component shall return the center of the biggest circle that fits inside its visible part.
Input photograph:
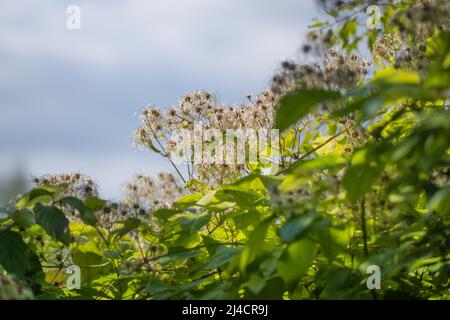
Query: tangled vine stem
(363, 224)
(307, 154)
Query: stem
(196, 248)
(312, 151)
(363, 223)
(364, 231)
(166, 156)
(116, 269)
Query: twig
(311, 151)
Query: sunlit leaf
(54, 221)
(297, 104)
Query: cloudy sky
(69, 99)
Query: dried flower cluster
(202, 108)
(74, 184)
(145, 192)
(422, 19)
(294, 201)
(387, 47)
(116, 212)
(338, 70)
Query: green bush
(364, 180)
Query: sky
(70, 99)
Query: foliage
(364, 181)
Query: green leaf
(256, 283)
(75, 203)
(206, 199)
(164, 214)
(255, 244)
(297, 104)
(41, 191)
(387, 87)
(269, 266)
(129, 225)
(211, 244)
(332, 160)
(94, 203)
(440, 202)
(343, 284)
(193, 222)
(296, 260)
(296, 227)
(187, 201)
(24, 218)
(335, 240)
(156, 286)
(243, 198)
(245, 220)
(438, 73)
(273, 290)
(86, 212)
(42, 194)
(392, 76)
(14, 253)
(25, 203)
(222, 256)
(358, 180)
(177, 256)
(54, 222)
(90, 263)
(348, 30)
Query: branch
(311, 152)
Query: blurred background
(70, 99)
